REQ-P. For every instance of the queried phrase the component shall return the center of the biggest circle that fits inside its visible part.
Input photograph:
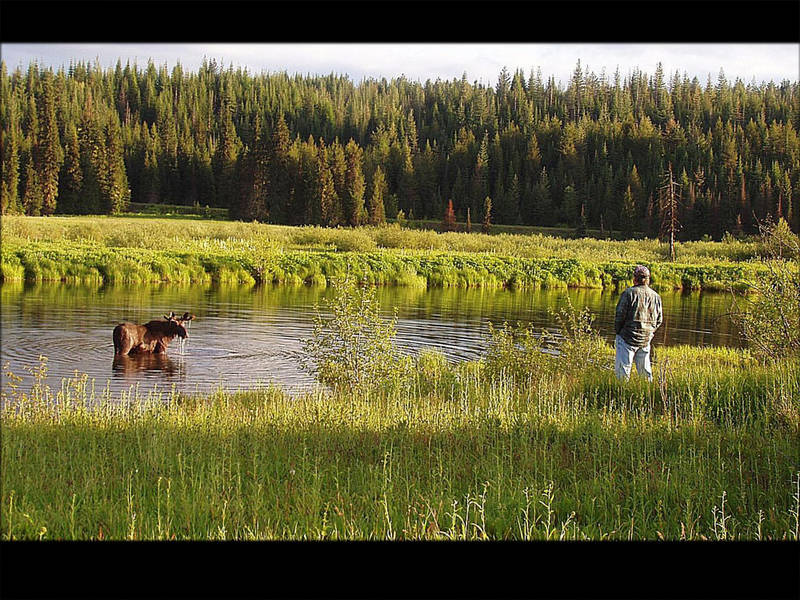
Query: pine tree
(307, 209)
(376, 210)
(71, 181)
(114, 180)
(354, 184)
(533, 161)
(9, 147)
(256, 195)
(569, 207)
(629, 212)
(32, 196)
(480, 175)
(92, 156)
(279, 174)
(150, 183)
(48, 155)
(337, 166)
(542, 202)
(227, 153)
(407, 184)
(328, 200)
(487, 215)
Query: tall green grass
(110, 250)
(708, 452)
(175, 233)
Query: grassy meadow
(521, 444)
(149, 249)
(449, 452)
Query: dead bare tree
(669, 194)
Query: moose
(152, 337)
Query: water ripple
(244, 338)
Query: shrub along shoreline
(91, 262)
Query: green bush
(517, 354)
(769, 317)
(353, 349)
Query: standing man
(638, 316)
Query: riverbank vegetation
(452, 453)
(536, 440)
(151, 249)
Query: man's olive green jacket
(638, 316)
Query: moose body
(153, 337)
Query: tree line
(325, 150)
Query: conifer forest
(303, 149)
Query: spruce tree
(629, 213)
(327, 198)
(32, 196)
(255, 197)
(280, 175)
(48, 155)
(542, 202)
(569, 206)
(9, 147)
(354, 184)
(376, 210)
(307, 209)
(480, 175)
(114, 181)
(71, 181)
(92, 156)
(487, 215)
(337, 166)
(227, 153)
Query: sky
(482, 62)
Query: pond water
(251, 336)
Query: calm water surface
(251, 336)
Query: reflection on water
(246, 336)
(129, 366)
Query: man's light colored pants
(626, 355)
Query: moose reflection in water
(151, 338)
(131, 365)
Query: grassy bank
(710, 452)
(144, 250)
(174, 233)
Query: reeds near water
(707, 452)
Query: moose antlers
(186, 317)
